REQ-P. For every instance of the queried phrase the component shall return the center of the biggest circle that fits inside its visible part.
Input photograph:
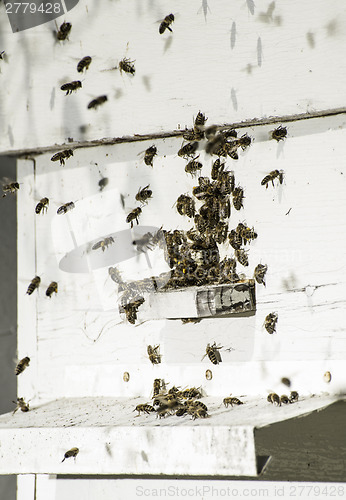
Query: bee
(2, 54)
(53, 287)
(168, 20)
(73, 452)
(153, 353)
(21, 404)
(284, 400)
(238, 195)
(35, 282)
(225, 183)
(241, 257)
(286, 381)
(271, 176)
(115, 275)
(280, 133)
(213, 353)
(23, 363)
(103, 183)
(191, 393)
(62, 155)
(194, 135)
(84, 64)
(274, 399)
(201, 223)
(134, 216)
(131, 309)
(65, 208)
(259, 274)
(103, 243)
(217, 168)
(199, 121)
(224, 209)
(157, 386)
(64, 31)
(244, 141)
(294, 396)
(9, 187)
(71, 87)
(221, 230)
(193, 166)
(229, 133)
(42, 206)
(186, 205)
(188, 150)
(144, 408)
(149, 155)
(246, 233)
(95, 103)
(232, 401)
(270, 322)
(127, 66)
(144, 194)
(197, 413)
(181, 411)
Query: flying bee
(168, 20)
(21, 404)
(280, 133)
(273, 398)
(62, 155)
(115, 275)
(149, 155)
(134, 216)
(238, 196)
(103, 243)
(95, 103)
(241, 257)
(186, 205)
(35, 282)
(144, 194)
(270, 322)
(127, 66)
(199, 121)
(65, 208)
(103, 183)
(294, 396)
(71, 87)
(284, 400)
(259, 273)
(53, 287)
(271, 176)
(153, 354)
(23, 363)
(9, 186)
(157, 386)
(73, 452)
(188, 150)
(232, 401)
(193, 166)
(84, 64)
(42, 206)
(145, 408)
(213, 353)
(63, 31)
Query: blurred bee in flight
(103, 244)
(134, 216)
(73, 452)
(21, 365)
(271, 176)
(21, 404)
(61, 155)
(168, 20)
(65, 208)
(9, 186)
(42, 206)
(84, 64)
(71, 87)
(144, 194)
(63, 31)
(53, 288)
(35, 282)
(95, 103)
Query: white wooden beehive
(230, 63)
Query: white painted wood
(46, 486)
(232, 62)
(26, 487)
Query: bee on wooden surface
(62, 155)
(244, 141)
(229, 133)
(193, 166)
(198, 404)
(95, 103)
(145, 408)
(241, 257)
(42, 206)
(271, 176)
(115, 275)
(224, 209)
(238, 196)
(185, 321)
(232, 401)
(224, 185)
(84, 64)
(294, 396)
(246, 233)
(53, 287)
(9, 186)
(73, 452)
(21, 404)
(280, 133)
(274, 399)
(144, 194)
(23, 363)
(194, 135)
(188, 150)
(149, 155)
(127, 66)
(221, 231)
(186, 205)
(168, 20)
(103, 243)
(63, 31)
(197, 413)
(213, 353)
(191, 393)
(259, 274)
(65, 208)
(217, 168)
(153, 354)
(35, 282)
(284, 400)
(270, 322)
(199, 121)
(134, 216)
(201, 223)
(71, 87)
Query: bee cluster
(274, 399)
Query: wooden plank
(244, 58)
(26, 485)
